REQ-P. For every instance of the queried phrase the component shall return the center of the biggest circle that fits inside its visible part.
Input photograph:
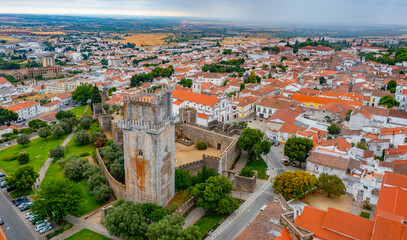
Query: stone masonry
(149, 146)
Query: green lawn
(86, 234)
(78, 111)
(208, 221)
(89, 203)
(38, 150)
(260, 166)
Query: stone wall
(117, 134)
(245, 184)
(118, 189)
(186, 207)
(208, 161)
(105, 122)
(187, 115)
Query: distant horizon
(258, 12)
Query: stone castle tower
(148, 140)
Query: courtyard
(187, 154)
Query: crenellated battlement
(143, 125)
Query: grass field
(179, 198)
(146, 39)
(208, 221)
(78, 111)
(55, 171)
(38, 150)
(86, 234)
(260, 166)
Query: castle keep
(148, 141)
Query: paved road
(17, 228)
(247, 216)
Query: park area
(187, 154)
(86, 234)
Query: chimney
(319, 139)
(297, 212)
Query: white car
(45, 229)
(39, 227)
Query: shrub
(82, 138)
(85, 154)
(102, 193)
(74, 169)
(23, 158)
(100, 142)
(247, 172)
(94, 136)
(57, 152)
(23, 140)
(182, 179)
(96, 180)
(86, 121)
(11, 158)
(365, 215)
(201, 145)
(27, 131)
(367, 207)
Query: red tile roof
(195, 97)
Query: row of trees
(85, 92)
(219, 68)
(137, 80)
(7, 116)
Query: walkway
(99, 228)
(194, 216)
(15, 143)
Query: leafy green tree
(7, 116)
(391, 86)
(104, 61)
(154, 212)
(57, 152)
(96, 180)
(203, 175)
(297, 148)
(111, 90)
(102, 193)
(58, 131)
(23, 178)
(82, 93)
(170, 227)
(333, 129)
(253, 142)
(294, 185)
(94, 136)
(44, 132)
(125, 220)
(213, 195)
(66, 126)
(82, 137)
(117, 169)
(74, 169)
(361, 145)
(322, 80)
(64, 114)
(186, 82)
(182, 179)
(201, 145)
(348, 115)
(95, 97)
(388, 101)
(86, 121)
(37, 124)
(246, 172)
(331, 185)
(105, 106)
(23, 158)
(242, 86)
(23, 140)
(57, 199)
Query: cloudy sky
(244, 11)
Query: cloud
(243, 11)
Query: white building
(26, 110)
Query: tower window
(140, 152)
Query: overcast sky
(245, 11)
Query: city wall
(118, 189)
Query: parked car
(293, 164)
(1, 221)
(10, 188)
(3, 184)
(2, 175)
(30, 214)
(40, 222)
(38, 227)
(19, 200)
(285, 162)
(45, 229)
(25, 206)
(276, 144)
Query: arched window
(140, 152)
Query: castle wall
(245, 184)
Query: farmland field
(146, 39)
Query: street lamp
(53, 221)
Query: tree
(96, 180)
(331, 185)
(82, 137)
(297, 148)
(213, 195)
(105, 106)
(95, 98)
(23, 178)
(154, 212)
(253, 143)
(7, 116)
(294, 184)
(322, 80)
(117, 169)
(44, 132)
(23, 140)
(102, 193)
(186, 82)
(361, 145)
(246, 172)
(37, 124)
(242, 86)
(388, 101)
(391, 86)
(82, 93)
(201, 145)
(94, 136)
(104, 61)
(170, 227)
(333, 129)
(64, 114)
(23, 158)
(57, 152)
(74, 169)
(111, 90)
(86, 121)
(182, 179)
(125, 220)
(203, 175)
(348, 115)
(57, 199)
(58, 131)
